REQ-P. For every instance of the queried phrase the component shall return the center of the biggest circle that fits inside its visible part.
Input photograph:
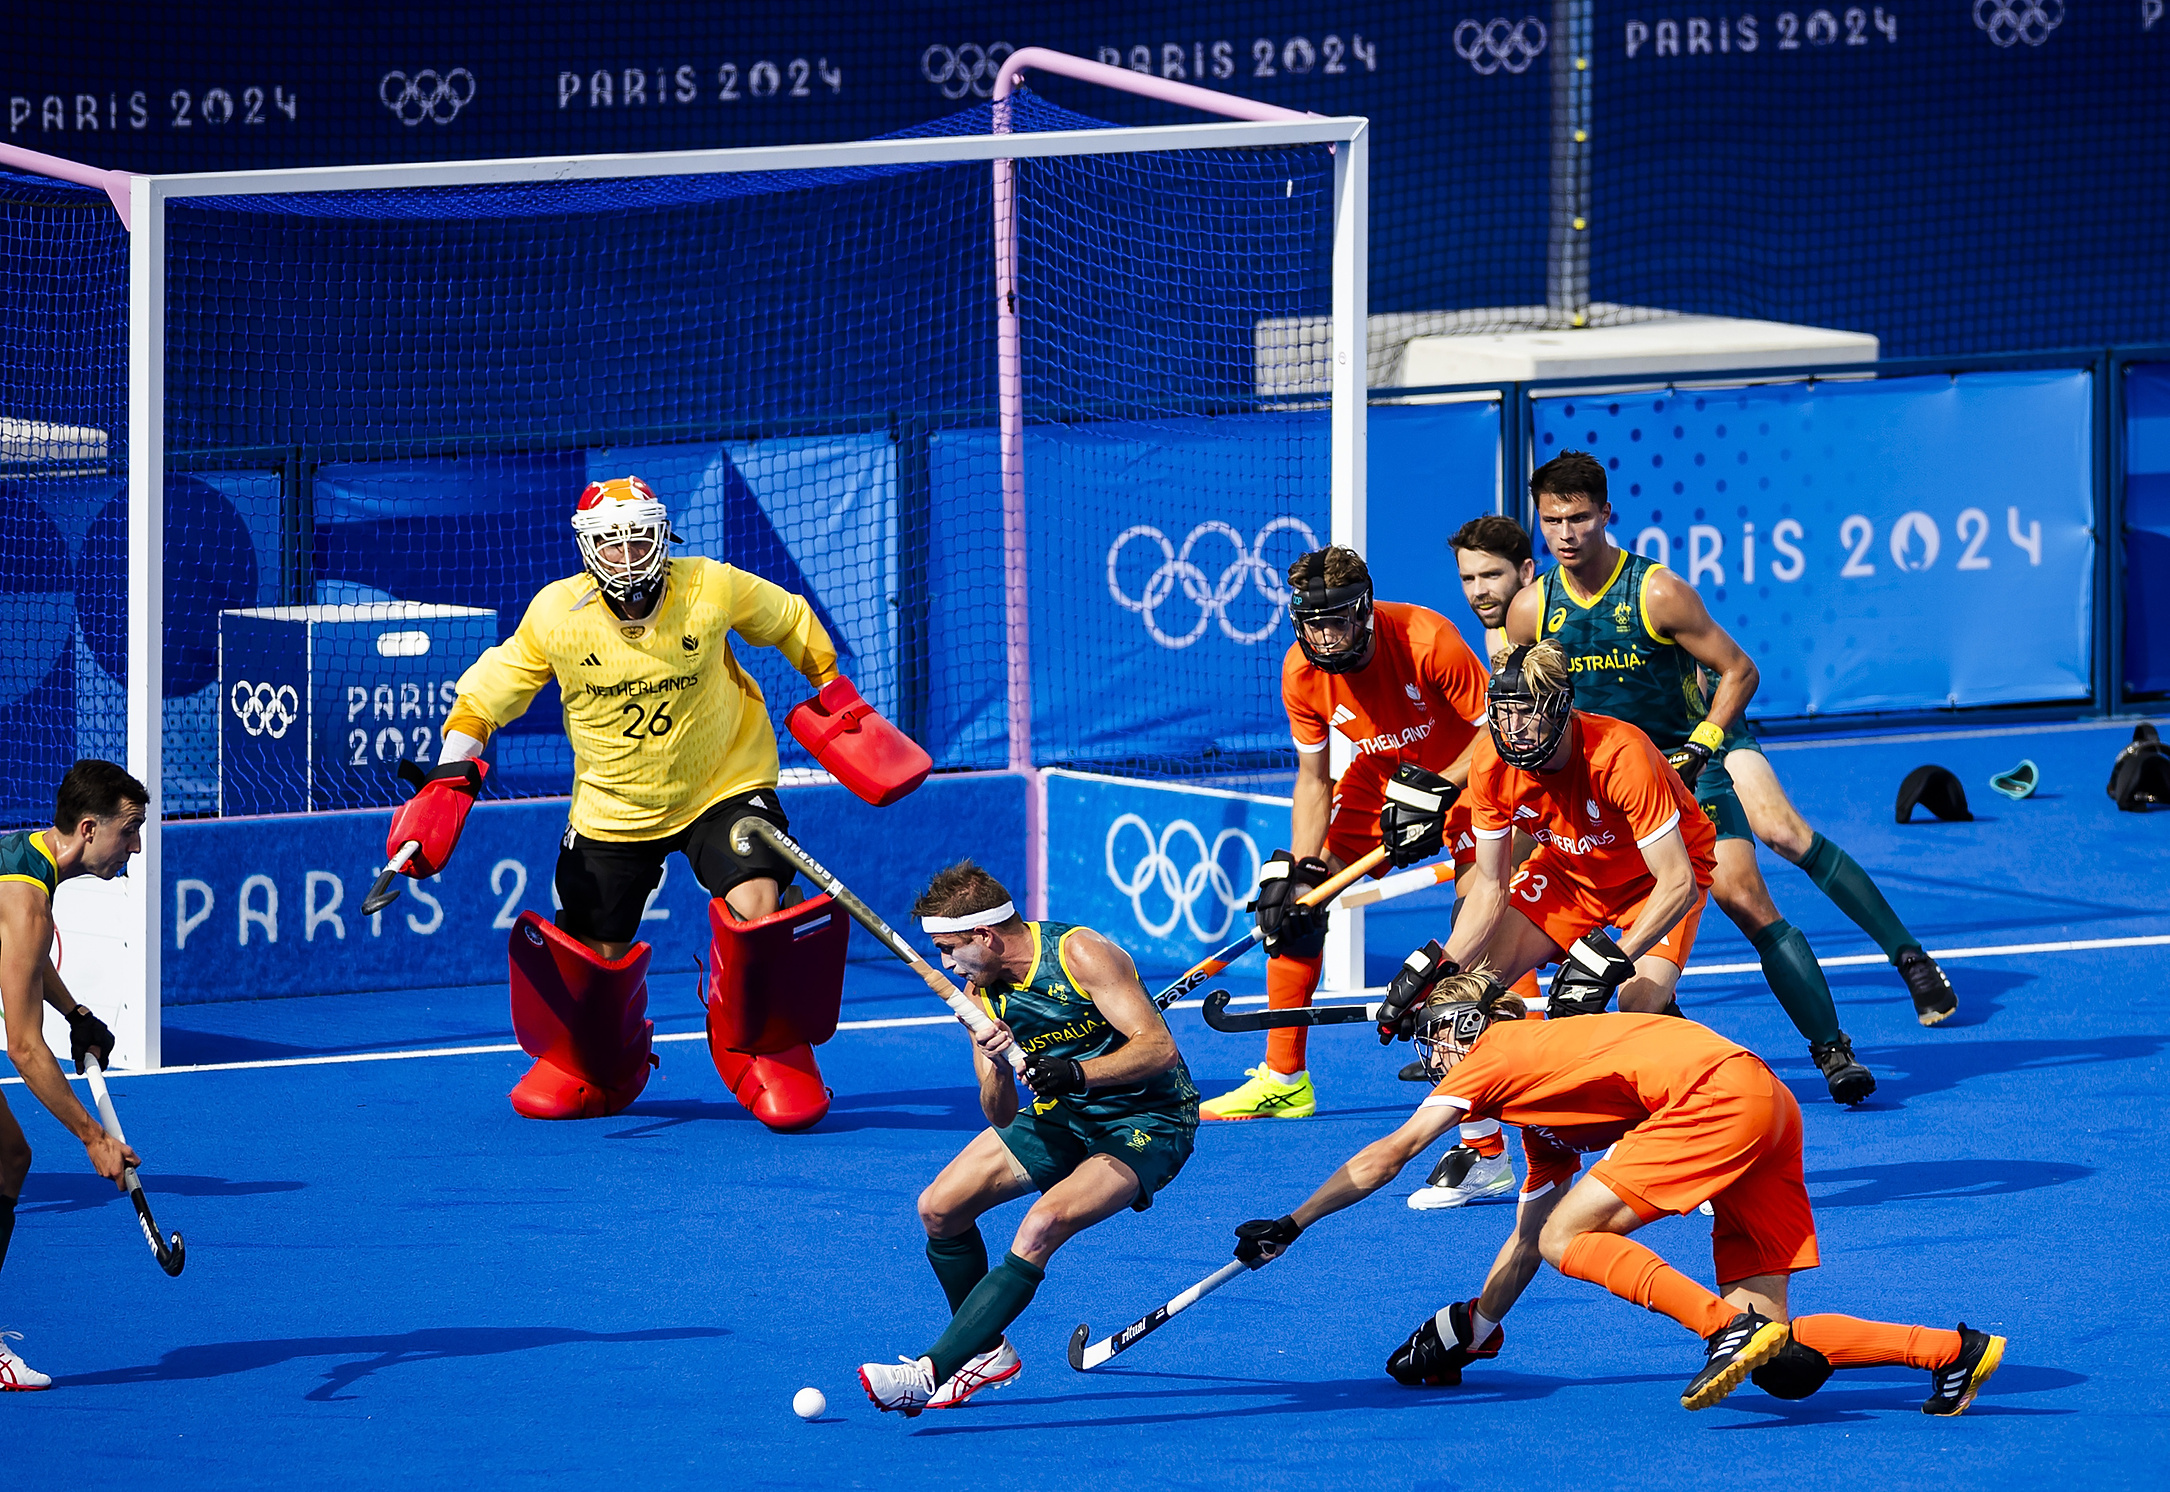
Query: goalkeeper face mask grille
(1527, 721)
(625, 538)
(1333, 626)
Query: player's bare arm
(1524, 613)
(1313, 804)
(1373, 1167)
(1110, 980)
(1679, 613)
(1674, 892)
(26, 931)
(1484, 894)
(998, 1085)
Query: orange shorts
(1349, 838)
(1734, 1140)
(1564, 908)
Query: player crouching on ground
(671, 745)
(1689, 1117)
(97, 825)
(1406, 696)
(1111, 1120)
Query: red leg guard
(783, 1090)
(583, 1019)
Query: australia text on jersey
(1076, 1031)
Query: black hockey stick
(171, 1256)
(1218, 1017)
(1085, 1354)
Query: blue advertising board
(1430, 468)
(262, 907)
(1163, 870)
(1917, 543)
(2147, 528)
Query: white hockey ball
(808, 1403)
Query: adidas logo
(1413, 692)
(1524, 811)
(1342, 715)
(591, 661)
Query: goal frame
(116, 935)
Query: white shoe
(991, 1369)
(15, 1374)
(905, 1385)
(1462, 1177)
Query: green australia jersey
(1050, 1013)
(24, 857)
(1622, 667)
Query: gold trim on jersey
(1642, 605)
(1567, 584)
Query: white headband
(992, 917)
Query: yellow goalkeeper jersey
(663, 721)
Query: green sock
(994, 1303)
(959, 1263)
(1841, 878)
(1790, 968)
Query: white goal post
(113, 934)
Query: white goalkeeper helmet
(625, 539)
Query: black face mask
(1352, 601)
(1511, 686)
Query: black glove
(1253, 1237)
(1292, 931)
(1053, 1077)
(1688, 760)
(1413, 825)
(1412, 982)
(87, 1034)
(1593, 969)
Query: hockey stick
(384, 893)
(171, 1257)
(1212, 964)
(1086, 1355)
(1400, 883)
(747, 829)
(1304, 1016)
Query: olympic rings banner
(1915, 543)
(1164, 871)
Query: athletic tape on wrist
(992, 917)
(1708, 736)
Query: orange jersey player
(1689, 1117)
(1406, 696)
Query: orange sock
(1533, 998)
(1633, 1273)
(1850, 1342)
(1289, 983)
(1484, 1138)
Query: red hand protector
(436, 813)
(856, 746)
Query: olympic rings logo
(1249, 567)
(969, 68)
(264, 710)
(429, 94)
(1491, 45)
(1156, 872)
(2009, 21)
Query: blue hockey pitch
(393, 1281)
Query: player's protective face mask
(1445, 1034)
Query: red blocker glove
(857, 746)
(436, 813)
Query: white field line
(2081, 945)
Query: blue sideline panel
(266, 907)
(1430, 469)
(2147, 528)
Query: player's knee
(939, 1216)
(14, 1165)
(1786, 835)
(1556, 1237)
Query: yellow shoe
(1263, 1098)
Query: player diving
(1686, 1117)
(672, 745)
(1109, 1123)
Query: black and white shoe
(1934, 999)
(1847, 1079)
(1735, 1351)
(1462, 1177)
(1952, 1388)
(1428, 1360)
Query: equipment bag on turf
(777, 982)
(856, 746)
(436, 813)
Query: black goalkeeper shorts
(604, 884)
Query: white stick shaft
(104, 1100)
(1100, 1351)
(406, 853)
(1401, 883)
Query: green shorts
(1153, 1143)
(1720, 804)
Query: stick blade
(174, 1258)
(382, 894)
(1078, 1339)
